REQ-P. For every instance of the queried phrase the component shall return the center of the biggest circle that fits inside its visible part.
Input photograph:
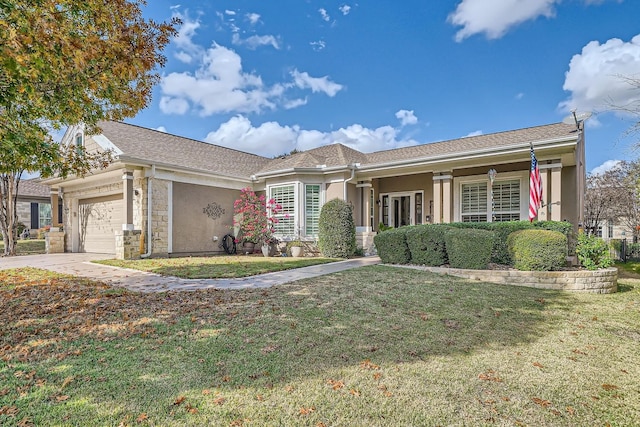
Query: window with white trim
(506, 198)
(474, 202)
(284, 195)
(79, 144)
(311, 209)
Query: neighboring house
(179, 192)
(34, 205)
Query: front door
(399, 209)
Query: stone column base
(54, 242)
(128, 244)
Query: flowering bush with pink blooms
(255, 216)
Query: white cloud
(295, 103)
(318, 46)
(316, 84)
(187, 49)
(161, 129)
(406, 117)
(220, 85)
(170, 105)
(323, 13)
(595, 78)
(474, 133)
(495, 17)
(345, 9)
(519, 96)
(253, 42)
(608, 165)
(230, 12)
(253, 18)
(271, 138)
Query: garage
(99, 218)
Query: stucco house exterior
(169, 195)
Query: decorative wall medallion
(214, 210)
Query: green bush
(563, 227)
(469, 248)
(427, 244)
(392, 246)
(538, 249)
(336, 230)
(500, 253)
(593, 252)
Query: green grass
(27, 247)
(375, 346)
(628, 268)
(216, 267)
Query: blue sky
(267, 77)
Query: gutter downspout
(149, 211)
(353, 174)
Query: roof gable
(155, 147)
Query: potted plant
(296, 248)
(255, 217)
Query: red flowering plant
(255, 217)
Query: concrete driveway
(79, 264)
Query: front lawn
(375, 346)
(27, 247)
(216, 267)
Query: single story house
(34, 204)
(169, 195)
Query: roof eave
(492, 151)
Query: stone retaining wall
(603, 281)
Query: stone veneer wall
(54, 242)
(160, 217)
(128, 244)
(603, 281)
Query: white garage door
(99, 219)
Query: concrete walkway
(79, 264)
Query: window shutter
(35, 216)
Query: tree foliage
(64, 63)
(613, 196)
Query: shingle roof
(161, 148)
(471, 143)
(32, 188)
(327, 155)
(153, 146)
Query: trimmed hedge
(392, 246)
(538, 249)
(336, 230)
(500, 253)
(469, 248)
(427, 244)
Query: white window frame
(303, 228)
(300, 200)
(296, 208)
(521, 176)
(412, 206)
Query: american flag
(535, 187)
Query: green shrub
(392, 246)
(336, 230)
(538, 249)
(593, 252)
(469, 248)
(382, 227)
(563, 227)
(502, 231)
(427, 244)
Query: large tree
(64, 63)
(613, 196)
